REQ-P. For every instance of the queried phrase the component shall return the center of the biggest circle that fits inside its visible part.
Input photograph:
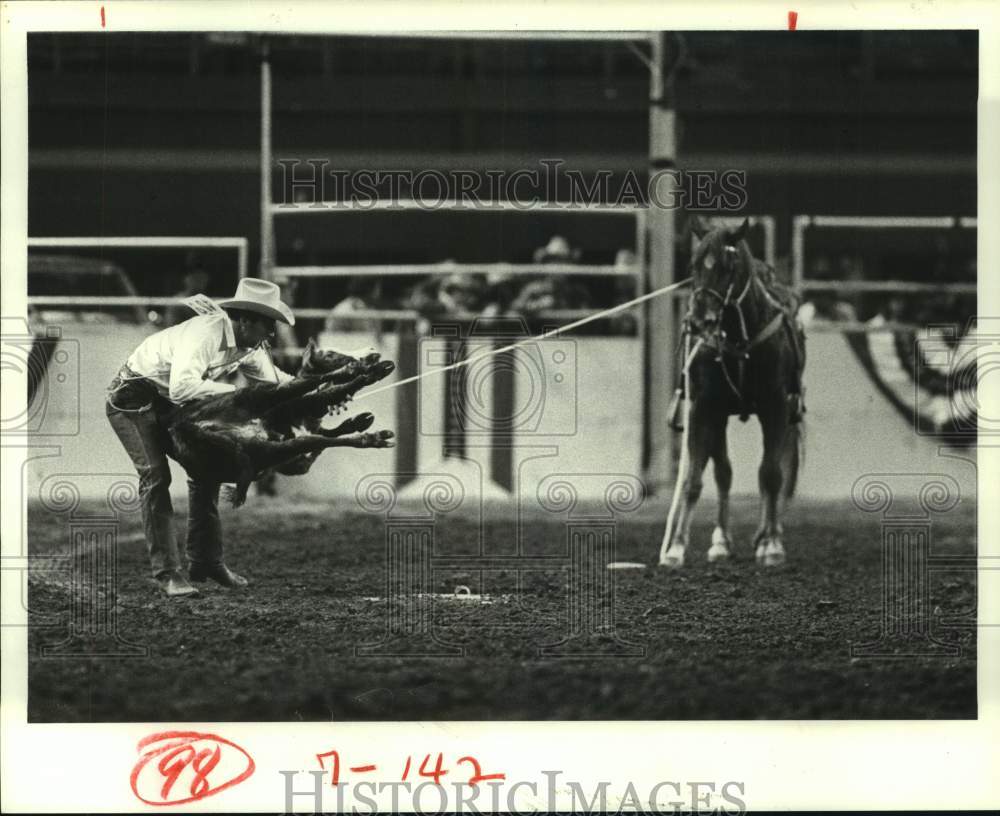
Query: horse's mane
(777, 288)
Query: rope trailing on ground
(682, 465)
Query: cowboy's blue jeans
(143, 439)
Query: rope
(683, 463)
(543, 336)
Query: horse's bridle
(715, 338)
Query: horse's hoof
(771, 553)
(673, 558)
(719, 551)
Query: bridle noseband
(715, 337)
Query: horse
(749, 358)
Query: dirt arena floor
(730, 641)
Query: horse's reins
(717, 339)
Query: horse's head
(721, 271)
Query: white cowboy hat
(261, 296)
(557, 249)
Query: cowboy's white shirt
(184, 361)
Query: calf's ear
(307, 352)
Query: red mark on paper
(437, 772)
(478, 775)
(334, 767)
(793, 18)
(184, 763)
(102, 16)
(426, 769)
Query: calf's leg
(273, 454)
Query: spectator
(828, 304)
(544, 293)
(196, 281)
(363, 294)
(454, 294)
(548, 294)
(557, 250)
(503, 288)
(624, 290)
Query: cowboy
(180, 364)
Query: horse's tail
(794, 457)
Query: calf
(236, 437)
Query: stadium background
(159, 136)
(139, 135)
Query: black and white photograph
(508, 375)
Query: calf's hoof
(673, 558)
(721, 544)
(379, 371)
(378, 439)
(356, 424)
(771, 553)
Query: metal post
(407, 403)
(799, 225)
(660, 339)
(266, 224)
(241, 258)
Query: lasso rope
(682, 465)
(544, 336)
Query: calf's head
(317, 362)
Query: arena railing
(802, 223)
(283, 273)
(149, 242)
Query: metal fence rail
(449, 205)
(150, 242)
(282, 273)
(801, 223)
(558, 316)
(885, 286)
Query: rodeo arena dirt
(537, 295)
